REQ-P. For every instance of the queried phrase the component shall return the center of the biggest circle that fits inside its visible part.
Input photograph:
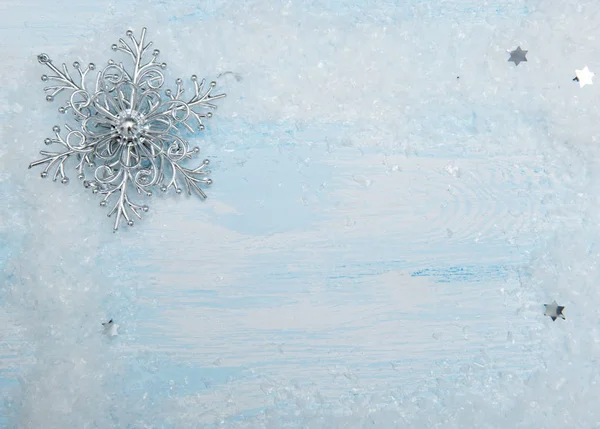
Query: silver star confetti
(127, 134)
(517, 56)
(110, 328)
(554, 311)
(584, 77)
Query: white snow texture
(393, 204)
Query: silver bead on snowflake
(128, 135)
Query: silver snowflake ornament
(128, 136)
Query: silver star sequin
(110, 328)
(584, 77)
(554, 311)
(517, 56)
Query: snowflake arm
(63, 80)
(51, 159)
(57, 159)
(191, 177)
(192, 182)
(105, 184)
(181, 111)
(144, 73)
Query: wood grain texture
(367, 227)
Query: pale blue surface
(376, 248)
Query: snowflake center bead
(129, 127)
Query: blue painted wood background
(392, 204)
